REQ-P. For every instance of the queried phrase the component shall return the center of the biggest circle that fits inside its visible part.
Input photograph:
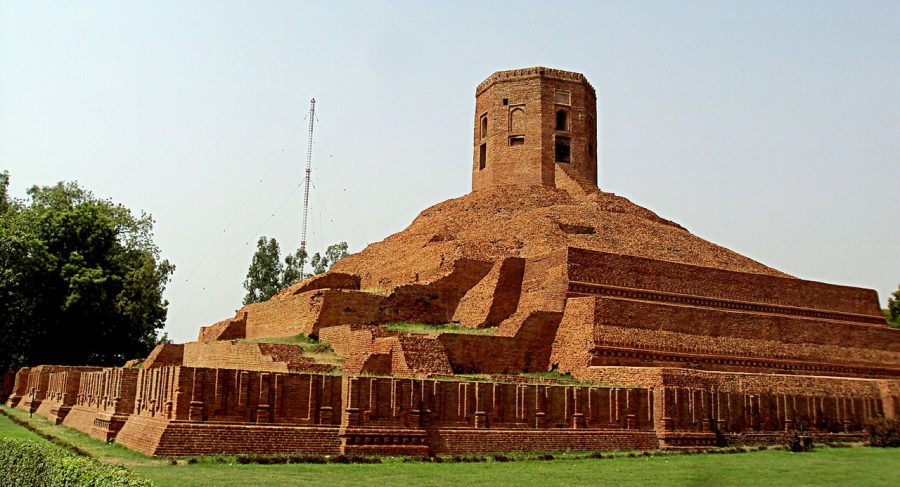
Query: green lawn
(824, 466)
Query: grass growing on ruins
(822, 466)
(315, 349)
(423, 328)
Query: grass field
(823, 466)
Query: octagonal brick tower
(532, 123)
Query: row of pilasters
(701, 410)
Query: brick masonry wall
(523, 103)
(494, 298)
(272, 357)
(62, 393)
(164, 354)
(641, 273)
(20, 387)
(464, 440)
(230, 329)
(528, 350)
(185, 411)
(639, 333)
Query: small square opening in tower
(563, 149)
(517, 140)
(482, 156)
(505, 101)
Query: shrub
(796, 441)
(885, 432)
(26, 462)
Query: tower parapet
(532, 122)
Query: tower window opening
(563, 149)
(517, 140)
(517, 120)
(482, 156)
(562, 119)
(505, 101)
(483, 126)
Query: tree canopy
(267, 275)
(892, 312)
(81, 281)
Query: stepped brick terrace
(551, 315)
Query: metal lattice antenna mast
(309, 142)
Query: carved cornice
(597, 289)
(533, 72)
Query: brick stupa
(605, 326)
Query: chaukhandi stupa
(560, 317)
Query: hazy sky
(770, 128)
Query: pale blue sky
(772, 128)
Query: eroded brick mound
(526, 221)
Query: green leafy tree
(293, 268)
(319, 263)
(336, 252)
(265, 273)
(81, 281)
(4, 191)
(892, 312)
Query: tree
(892, 312)
(293, 268)
(81, 281)
(266, 275)
(4, 194)
(334, 253)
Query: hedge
(26, 462)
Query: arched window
(483, 126)
(562, 120)
(517, 120)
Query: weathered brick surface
(163, 355)
(783, 295)
(62, 393)
(39, 386)
(673, 338)
(104, 401)
(272, 357)
(229, 329)
(494, 298)
(463, 440)
(330, 280)
(526, 351)
(521, 106)
(20, 387)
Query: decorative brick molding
(587, 288)
(194, 411)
